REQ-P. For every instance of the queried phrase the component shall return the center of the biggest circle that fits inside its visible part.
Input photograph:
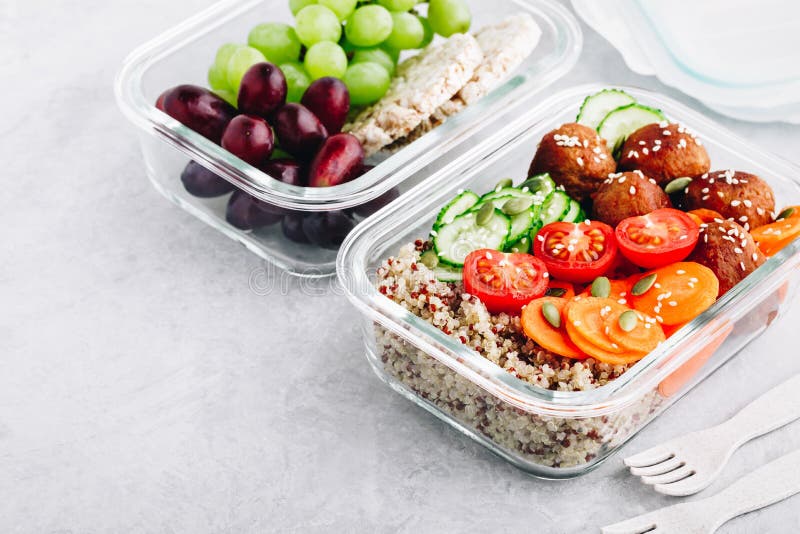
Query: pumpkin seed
(429, 259)
(628, 320)
(556, 292)
(785, 214)
(515, 206)
(601, 287)
(677, 185)
(551, 314)
(643, 286)
(502, 184)
(485, 214)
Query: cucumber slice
(521, 222)
(460, 204)
(444, 273)
(622, 122)
(540, 185)
(505, 193)
(521, 246)
(597, 106)
(555, 207)
(454, 241)
(573, 212)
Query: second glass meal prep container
(555, 434)
(183, 55)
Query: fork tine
(657, 469)
(649, 457)
(667, 478)
(687, 486)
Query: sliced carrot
(704, 215)
(620, 291)
(644, 337)
(569, 289)
(587, 317)
(681, 292)
(773, 237)
(683, 374)
(542, 332)
(600, 354)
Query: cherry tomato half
(657, 239)
(504, 282)
(576, 252)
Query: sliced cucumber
(555, 207)
(540, 185)
(521, 246)
(445, 273)
(454, 241)
(506, 193)
(573, 212)
(521, 222)
(460, 204)
(598, 105)
(623, 121)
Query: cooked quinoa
(529, 439)
(498, 338)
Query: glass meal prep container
(555, 434)
(182, 56)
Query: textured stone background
(145, 387)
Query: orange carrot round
(569, 289)
(681, 292)
(588, 318)
(545, 334)
(704, 215)
(773, 237)
(644, 337)
(620, 291)
(601, 355)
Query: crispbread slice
(423, 84)
(505, 46)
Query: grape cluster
(356, 41)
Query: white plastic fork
(767, 485)
(690, 463)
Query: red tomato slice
(576, 252)
(657, 239)
(504, 282)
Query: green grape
(297, 80)
(342, 8)
(367, 83)
(407, 32)
(398, 5)
(326, 59)
(239, 63)
(297, 5)
(224, 54)
(395, 54)
(369, 25)
(449, 16)
(375, 55)
(228, 96)
(429, 35)
(278, 42)
(316, 24)
(217, 78)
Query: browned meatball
(628, 194)
(576, 158)
(664, 152)
(740, 196)
(729, 250)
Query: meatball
(628, 194)
(729, 250)
(740, 196)
(664, 152)
(576, 158)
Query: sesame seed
(680, 271)
(633, 190)
(672, 303)
(580, 161)
(735, 203)
(741, 264)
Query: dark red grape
(292, 226)
(249, 138)
(263, 90)
(160, 100)
(299, 131)
(198, 109)
(328, 99)
(287, 171)
(365, 210)
(203, 183)
(246, 212)
(338, 161)
(327, 229)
